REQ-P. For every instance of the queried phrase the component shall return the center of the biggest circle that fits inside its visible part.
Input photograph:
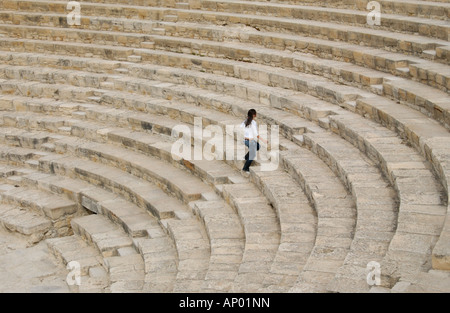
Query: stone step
(407, 172)
(159, 256)
(423, 98)
(133, 219)
(172, 180)
(376, 209)
(262, 235)
(425, 27)
(435, 74)
(73, 248)
(22, 221)
(335, 208)
(372, 37)
(121, 212)
(213, 172)
(187, 277)
(438, 103)
(52, 206)
(182, 6)
(227, 240)
(126, 273)
(427, 9)
(431, 282)
(289, 126)
(282, 253)
(193, 254)
(298, 225)
(102, 233)
(347, 70)
(86, 36)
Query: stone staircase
(87, 119)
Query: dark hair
(250, 115)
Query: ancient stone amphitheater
(87, 174)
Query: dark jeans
(253, 146)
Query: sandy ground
(29, 269)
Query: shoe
(245, 173)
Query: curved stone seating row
(130, 139)
(276, 199)
(30, 212)
(262, 236)
(422, 200)
(34, 213)
(376, 209)
(225, 230)
(298, 224)
(133, 220)
(186, 232)
(422, 26)
(293, 235)
(39, 123)
(427, 8)
(410, 113)
(334, 206)
(31, 224)
(173, 228)
(124, 265)
(397, 64)
(394, 88)
(93, 276)
(370, 37)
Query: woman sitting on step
(251, 139)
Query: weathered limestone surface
(87, 172)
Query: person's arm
(255, 131)
(262, 139)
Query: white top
(251, 131)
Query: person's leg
(252, 147)
(246, 142)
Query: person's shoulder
(254, 123)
